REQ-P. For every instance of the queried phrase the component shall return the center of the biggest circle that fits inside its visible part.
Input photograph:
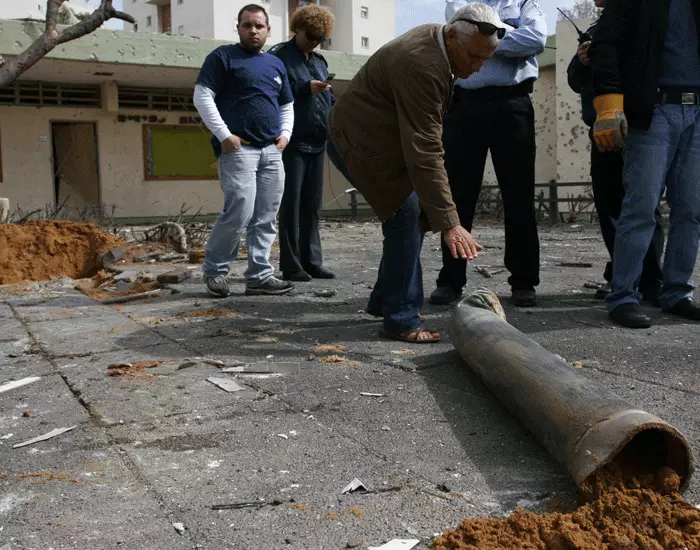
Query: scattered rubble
(133, 371)
(51, 434)
(18, 383)
(225, 384)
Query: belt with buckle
(678, 97)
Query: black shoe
(630, 315)
(686, 308)
(301, 276)
(320, 273)
(602, 292)
(443, 295)
(524, 297)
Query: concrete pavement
(163, 448)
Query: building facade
(106, 122)
(362, 26)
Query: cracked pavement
(167, 446)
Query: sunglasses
(313, 38)
(487, 28)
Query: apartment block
(362, 26)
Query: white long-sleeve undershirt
(206, 107)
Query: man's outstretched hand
(461, 243)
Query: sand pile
(629, 514)
(43, 250)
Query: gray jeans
(252, 180)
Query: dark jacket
(310, 110)
(387, 127)
(581, 82)
(627, 53)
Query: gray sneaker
(217, 286)
(273, 286)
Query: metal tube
(582, 424)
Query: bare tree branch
(52, 37)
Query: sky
(410, 13)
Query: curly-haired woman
(300, 243)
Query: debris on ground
(48, 249)
(252, 504)
(18, 383)
(575, 264)
(367, 394)
(354, 485)
(593, 285)
(133, 371)
(627, 513)
(179, 527)
(101, 290)
(396, 544)
(225, 384)
(51, 434)
(331, 359)
(223, 313)
(265, 368)
(325, 293)
(170, 233)
(329, 348)
(174, 277)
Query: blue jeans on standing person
(398, 292)
(252, 180)
(668, 154)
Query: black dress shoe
(686, 308)
(301, 276)
(524, 297)
(630, 315)
(602, 292)
(443, 295)
(320, 273)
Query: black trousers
(300, 242)
(474, 124)
(608, 194)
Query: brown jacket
(387, 127)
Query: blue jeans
(667, 155)
(398, 292)
(252, 180)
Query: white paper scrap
(366, 394)
(396, 544)
(44, 437)
(18, 383)
(354, 485)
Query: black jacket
(581, 82)
(310, 110)
(627, 53)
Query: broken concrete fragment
(44, 437)
(325, 293)
(18, 383)
(397, 544)
(225, 384)
(113, 256)
(179, 527)
(175, 276)
(354, 485)
(196, 256)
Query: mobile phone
(330, 77)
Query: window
(149, 20)
(364, 12)
(41, 94)
(365, 42)
(136, 27)
(155, 99)
(181, 30)
(177, 153)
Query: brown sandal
(411, 337)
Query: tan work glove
(610, 128)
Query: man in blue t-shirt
(244, 98)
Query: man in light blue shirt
(496, 100)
